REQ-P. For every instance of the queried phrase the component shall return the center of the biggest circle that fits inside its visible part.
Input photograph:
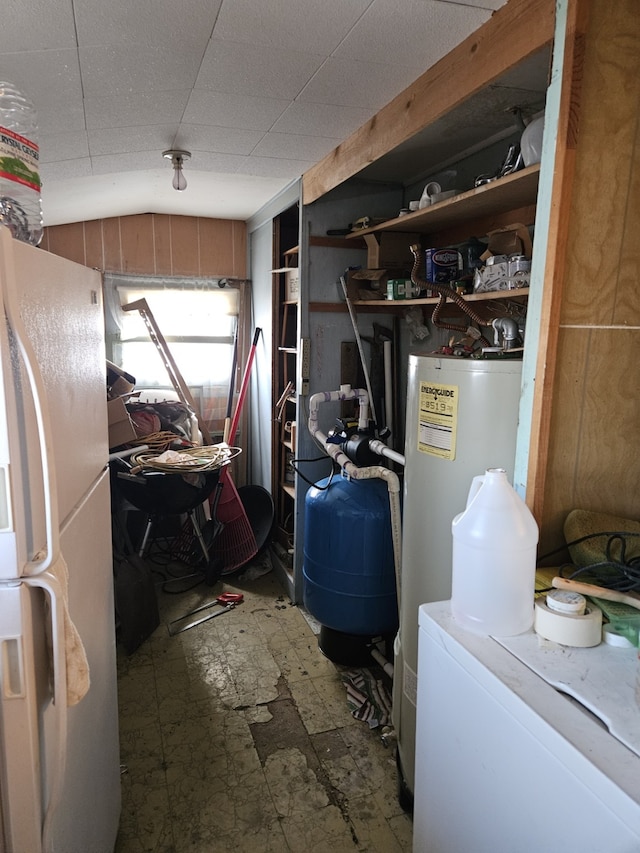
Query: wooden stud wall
(154, 244)
(586, 450)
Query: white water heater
(462, 418)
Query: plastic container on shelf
(20, 200)
(531, 141)
(494, 559)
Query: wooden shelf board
(391, 304)
(288, 489)
(513, 191)
(433, 300)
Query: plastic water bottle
(494, 559)
(20, 201)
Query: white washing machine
(461, 418)
(524, 745)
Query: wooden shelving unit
(285, 378)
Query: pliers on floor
(228, 600)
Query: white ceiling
(257, 91)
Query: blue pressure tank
(349, 576)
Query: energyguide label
(438, 419)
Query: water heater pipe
(388, 388)
(363, 361)
(367, 473)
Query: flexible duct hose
(445, 292)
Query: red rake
(236, 542)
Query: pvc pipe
(381, 659)
(388, 387)
(356, 332)
(346, 392)
(382, 450)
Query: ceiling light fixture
(177, 158)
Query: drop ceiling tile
(416, 33)
(221, 140)
(493, 5)
(280, 80)
(51, 119)
(107, 164)
(289, 24)
(145, 23)
(258, 71)
(70, 145)
(292, 146)
(62, 170)
(50, 78)
(273, 167)
(207, 161)
(327, 120)
(119, 140)
(241, 111)
(135, 108)
(350, 83)
(121, 69)
(36, 25)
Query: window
(198, 319)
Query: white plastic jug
(494, 559)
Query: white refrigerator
(59, 749)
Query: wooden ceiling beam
(517, 30)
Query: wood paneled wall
(589, 452)
(154, 244)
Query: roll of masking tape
(565, 601)
(568, 629)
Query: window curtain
(200, 319)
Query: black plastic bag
(137, 614)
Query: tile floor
(236, 736)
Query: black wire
(622, 533)
(614, 572)
(292, 462)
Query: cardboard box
(390, 250)
(510, 240)
(367, 284)
(121, 429)
(292, 285)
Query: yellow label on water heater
(438, 419)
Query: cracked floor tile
(236, 736)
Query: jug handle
(476, 484)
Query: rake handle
(243, 388)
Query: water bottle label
(19, 159)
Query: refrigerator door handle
(41, 561)
(49, 583)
